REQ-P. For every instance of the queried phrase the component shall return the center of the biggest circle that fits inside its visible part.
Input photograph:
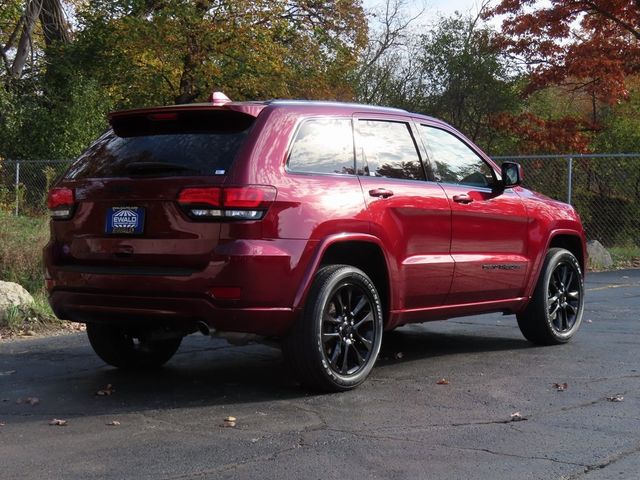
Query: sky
(433, 8)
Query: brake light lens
(163, 116)
(61, 201)
(240, 203)
(243, 197)
(202, 196)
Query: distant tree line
(556, 76)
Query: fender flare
(323, 246)
(537, 266)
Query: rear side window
(323, 145)
(181, 143)
(388, 150)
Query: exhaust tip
(203, 328)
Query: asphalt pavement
(401, 424)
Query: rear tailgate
(125, 218)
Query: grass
(21, 243)
(625, 257)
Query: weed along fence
(604, 188)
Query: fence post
(569, 180)
(17, 187)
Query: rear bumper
(176, 312)
(267, 275)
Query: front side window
(323, 145)
(388, 150)
(453, 160)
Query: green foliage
(179, 51)
(34, 317)
(612, 220)
(132, 53)
(620, 130)
(453, 72)
(466, 79)
(627, 256)
(58, 125)
(21, 242)
(13, 318)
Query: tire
(123, 349)
(336, 342)
(554, 313)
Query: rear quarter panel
(308, 208)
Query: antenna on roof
(219, 99)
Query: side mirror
(511, 174)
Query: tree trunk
(25, 44)
(54, 24)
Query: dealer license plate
(125, 220)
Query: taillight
(203, 196)
(61, 201)
(239, 203)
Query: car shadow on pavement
(67, 376)
(417, 343)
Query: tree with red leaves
(585, 46)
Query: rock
(599, 257)
(11, 295)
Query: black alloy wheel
(563, 297)
(554, 312)
(348, 329)
(336, 342)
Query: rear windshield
(165, 144)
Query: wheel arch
(570, 240)
(358, 250)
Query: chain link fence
(604, 188)
(24, 184)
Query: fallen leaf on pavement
(8, 372)
(589, 321)
(113, 423)
(229, 422)
(616, 398)
(58, 422)
(561, 387)
(30, 400)
(517, 417)
(442, 381)
(106, 391)
(398, 355)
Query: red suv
(320, 224)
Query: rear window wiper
(150, 167)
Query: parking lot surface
(404, 422)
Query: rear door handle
(462, 198)
(380, 192)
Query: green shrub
(21, 242)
